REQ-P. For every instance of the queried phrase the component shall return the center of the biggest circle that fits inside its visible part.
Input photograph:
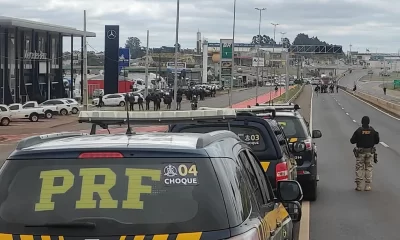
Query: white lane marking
(354, 120)
(347, 113)
(373, 106)
(304, 232)
(342, 108)
(384, 144)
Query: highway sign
(258, 62)
(226, 47)
(123, 57)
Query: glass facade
(30, 65)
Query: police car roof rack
(38, 139)
(282, 107)
(107, 118)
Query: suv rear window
(249, 135)
(128, 196)
(292, 126)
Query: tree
(133, 43)
(265, 40)
(286, 42)
(304, 39)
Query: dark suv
(296, 129)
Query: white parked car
(49, 111)
(5, 115)
(117, 99)
(74, 104)
(19, 112)
(64, 108)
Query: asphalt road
(340, 212)
(364, 86)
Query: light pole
(258, 52)
(233, 54)
(176, 55)
(273, 52)
(282, 37)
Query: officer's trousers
(364, 167)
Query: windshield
(292, 127)
(249, 135)
(158, 195)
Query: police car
(262, 136)
(296, 129)
(70, 186)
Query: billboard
(180, 66)
(111, 59)
(258, 62)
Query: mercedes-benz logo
(111, 34)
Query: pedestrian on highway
(101, 103)
(384, 90)
(131, 102)
(337, 88)
(178, 101)
(365, 138)
(148, 100)
(140, 103)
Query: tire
(34, 117)
(122, 104)
(63, 112)
(5, 122)
(75, 111)
(311, 191)
(48, 115)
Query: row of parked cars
(33, 111)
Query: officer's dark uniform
(365, 138)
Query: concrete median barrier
(379, 102)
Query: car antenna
(128, 130)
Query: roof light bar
(161, 117)
(281, 106)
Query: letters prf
(89, 187)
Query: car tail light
(282, 172)
(308, 144)
(101, 155)
(252, 234)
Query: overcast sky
(365, 24)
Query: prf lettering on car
(89, 187)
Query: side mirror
(289, 191)
(297, 147)
(316, 134)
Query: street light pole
(258, 52)
(273, 53)
(84, 81)
(233, 54)
(146, 77)
(176, 55)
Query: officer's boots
(358, 187)
(367, 187)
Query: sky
(371, 24)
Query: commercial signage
(35, 55)
(226, 47)
(226, 53)
(258, 62)
(180, 66)
(111, 58)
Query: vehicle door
(277, 217)
(16, 112)
(269, 211)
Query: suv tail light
(101, 155)
(282, 172)
(308, 144)
(252, 234)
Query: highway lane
(340, 212)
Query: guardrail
(379, 102)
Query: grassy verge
(292, 92)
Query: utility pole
(258, 52)
(176, 55)
(146, 77)
(273, 53)
(233, 54)
(287, 78)
(351, 60)
(84, 79)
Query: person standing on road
(101, 103)
(384, 90)
(178, 101)
(337, 88)
(140, 103)
(365, 138)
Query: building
(31, 60)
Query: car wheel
(5, 122)
(75, 111)
(63, 112)
(121, 104)
(311, 191)
(34, 117)
(48, 114)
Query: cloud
(362, 23)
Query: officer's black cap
(365, 120)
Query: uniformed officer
(365, 138)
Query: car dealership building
(31, 60)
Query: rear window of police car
(249, 135)
(178, 195)
(292, 126)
